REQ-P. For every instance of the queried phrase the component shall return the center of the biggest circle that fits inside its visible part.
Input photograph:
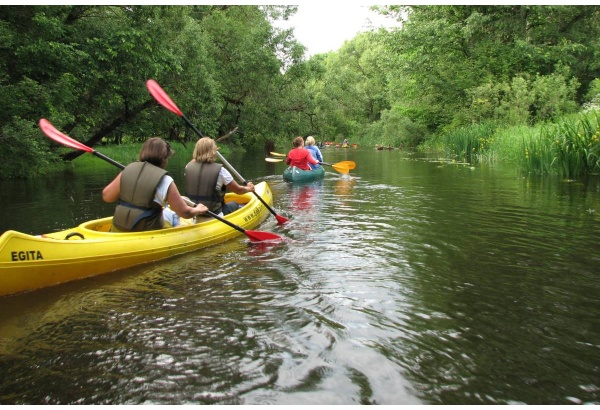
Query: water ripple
(411, 283)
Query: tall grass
(575, 145)
(128, 152)
(536, 153)
(122, 153)
(569, 147)
(471, 143)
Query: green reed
(576, 146)
(569, 147)
(535, 152)
(471, 143)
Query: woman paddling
(314, 151)
(144, 188)
(207, 182)
(300, 157)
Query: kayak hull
(293, 174)
(30, 262)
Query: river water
(414, 280)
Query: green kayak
(293, 174)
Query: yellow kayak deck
(29, 262)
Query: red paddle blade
(61, 138)
(281, 219)
(162, 97)
(258, 236)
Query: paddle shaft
(223, 160)
(281, 160)
(340, 167)
(107, 159)
(163, 98)
(349, 164)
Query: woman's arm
(310, 158)
(240, 189)
(111, 192)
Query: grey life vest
(201, 184)
(136, 210)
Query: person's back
(137, 210)
(201, 180)
(300, 157)
(144, 188)
(207, 182)
(315, 152)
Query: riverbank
(569, 146)
(128, 153)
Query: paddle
(339, 166)
(63, 139)
(350, 164)
(163, 98)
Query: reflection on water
(409, 281)
(344, 185)
(303, 197)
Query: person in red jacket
(299, 156)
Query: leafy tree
(592, 98)
(448, 52)
(85, 67)
(349, 88)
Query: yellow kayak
(29, 262)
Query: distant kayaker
(144, 188)
(207, 182)
(300, 157)
(315, 152)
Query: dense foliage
(85, 67)
(446, 75)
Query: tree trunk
(103, 132)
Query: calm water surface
(413, 281)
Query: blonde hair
(156, 151)
(310, 140)
(205, 150)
